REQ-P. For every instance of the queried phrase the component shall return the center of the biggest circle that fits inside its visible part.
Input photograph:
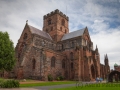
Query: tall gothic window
(18, 55)
(22, 46)
(71, 65)
(33, 64)
(61, 28)
(63, 63)
(85, 42)
(63, 22)
(71, 56)
(53, 61)
(51, 28)
(62, 46)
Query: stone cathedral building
(55, 51)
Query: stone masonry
(57, 52)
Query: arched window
(53, 61)
(72, 44)
(33, 64)
(25, 36)
(71, 56)
(61, 28)
(62, 46)
(71, 65)
(85, 42)
(63, 22)
(18, 55)
(49, 21)
(43, 43)
(51, 28)
(22, 46)
(63, 63)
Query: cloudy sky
(102, 17)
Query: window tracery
(33, 64)
(53, 61)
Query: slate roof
(73, 34)
(39, 32)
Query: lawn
(103, 86)
(46, 83)
(34, 83)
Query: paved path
(47, 87)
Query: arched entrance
(114, 76)
(93, 71)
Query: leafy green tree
(7, 52)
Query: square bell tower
(56, 24)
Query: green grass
(27, 84)
(27, 80)
(1, 79)
(46, 83)
(103, 86)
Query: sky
(102, 18)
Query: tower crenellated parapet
(56, 12)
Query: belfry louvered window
(71, 56)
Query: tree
(7, 52)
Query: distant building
(105, 69)
(114, 75)
(55, 51)
(116, 67)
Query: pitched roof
(73, 34)
(39, 32)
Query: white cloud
(108, 42)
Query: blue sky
(102, 17)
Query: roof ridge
(39, 32)
(34, 27)
(77, 30)
(73, 34)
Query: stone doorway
(93, 72)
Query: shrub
(9, 84)
(60, 78)
(50, 78)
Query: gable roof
(39, 32)
(73, 34)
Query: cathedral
(57, 52)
